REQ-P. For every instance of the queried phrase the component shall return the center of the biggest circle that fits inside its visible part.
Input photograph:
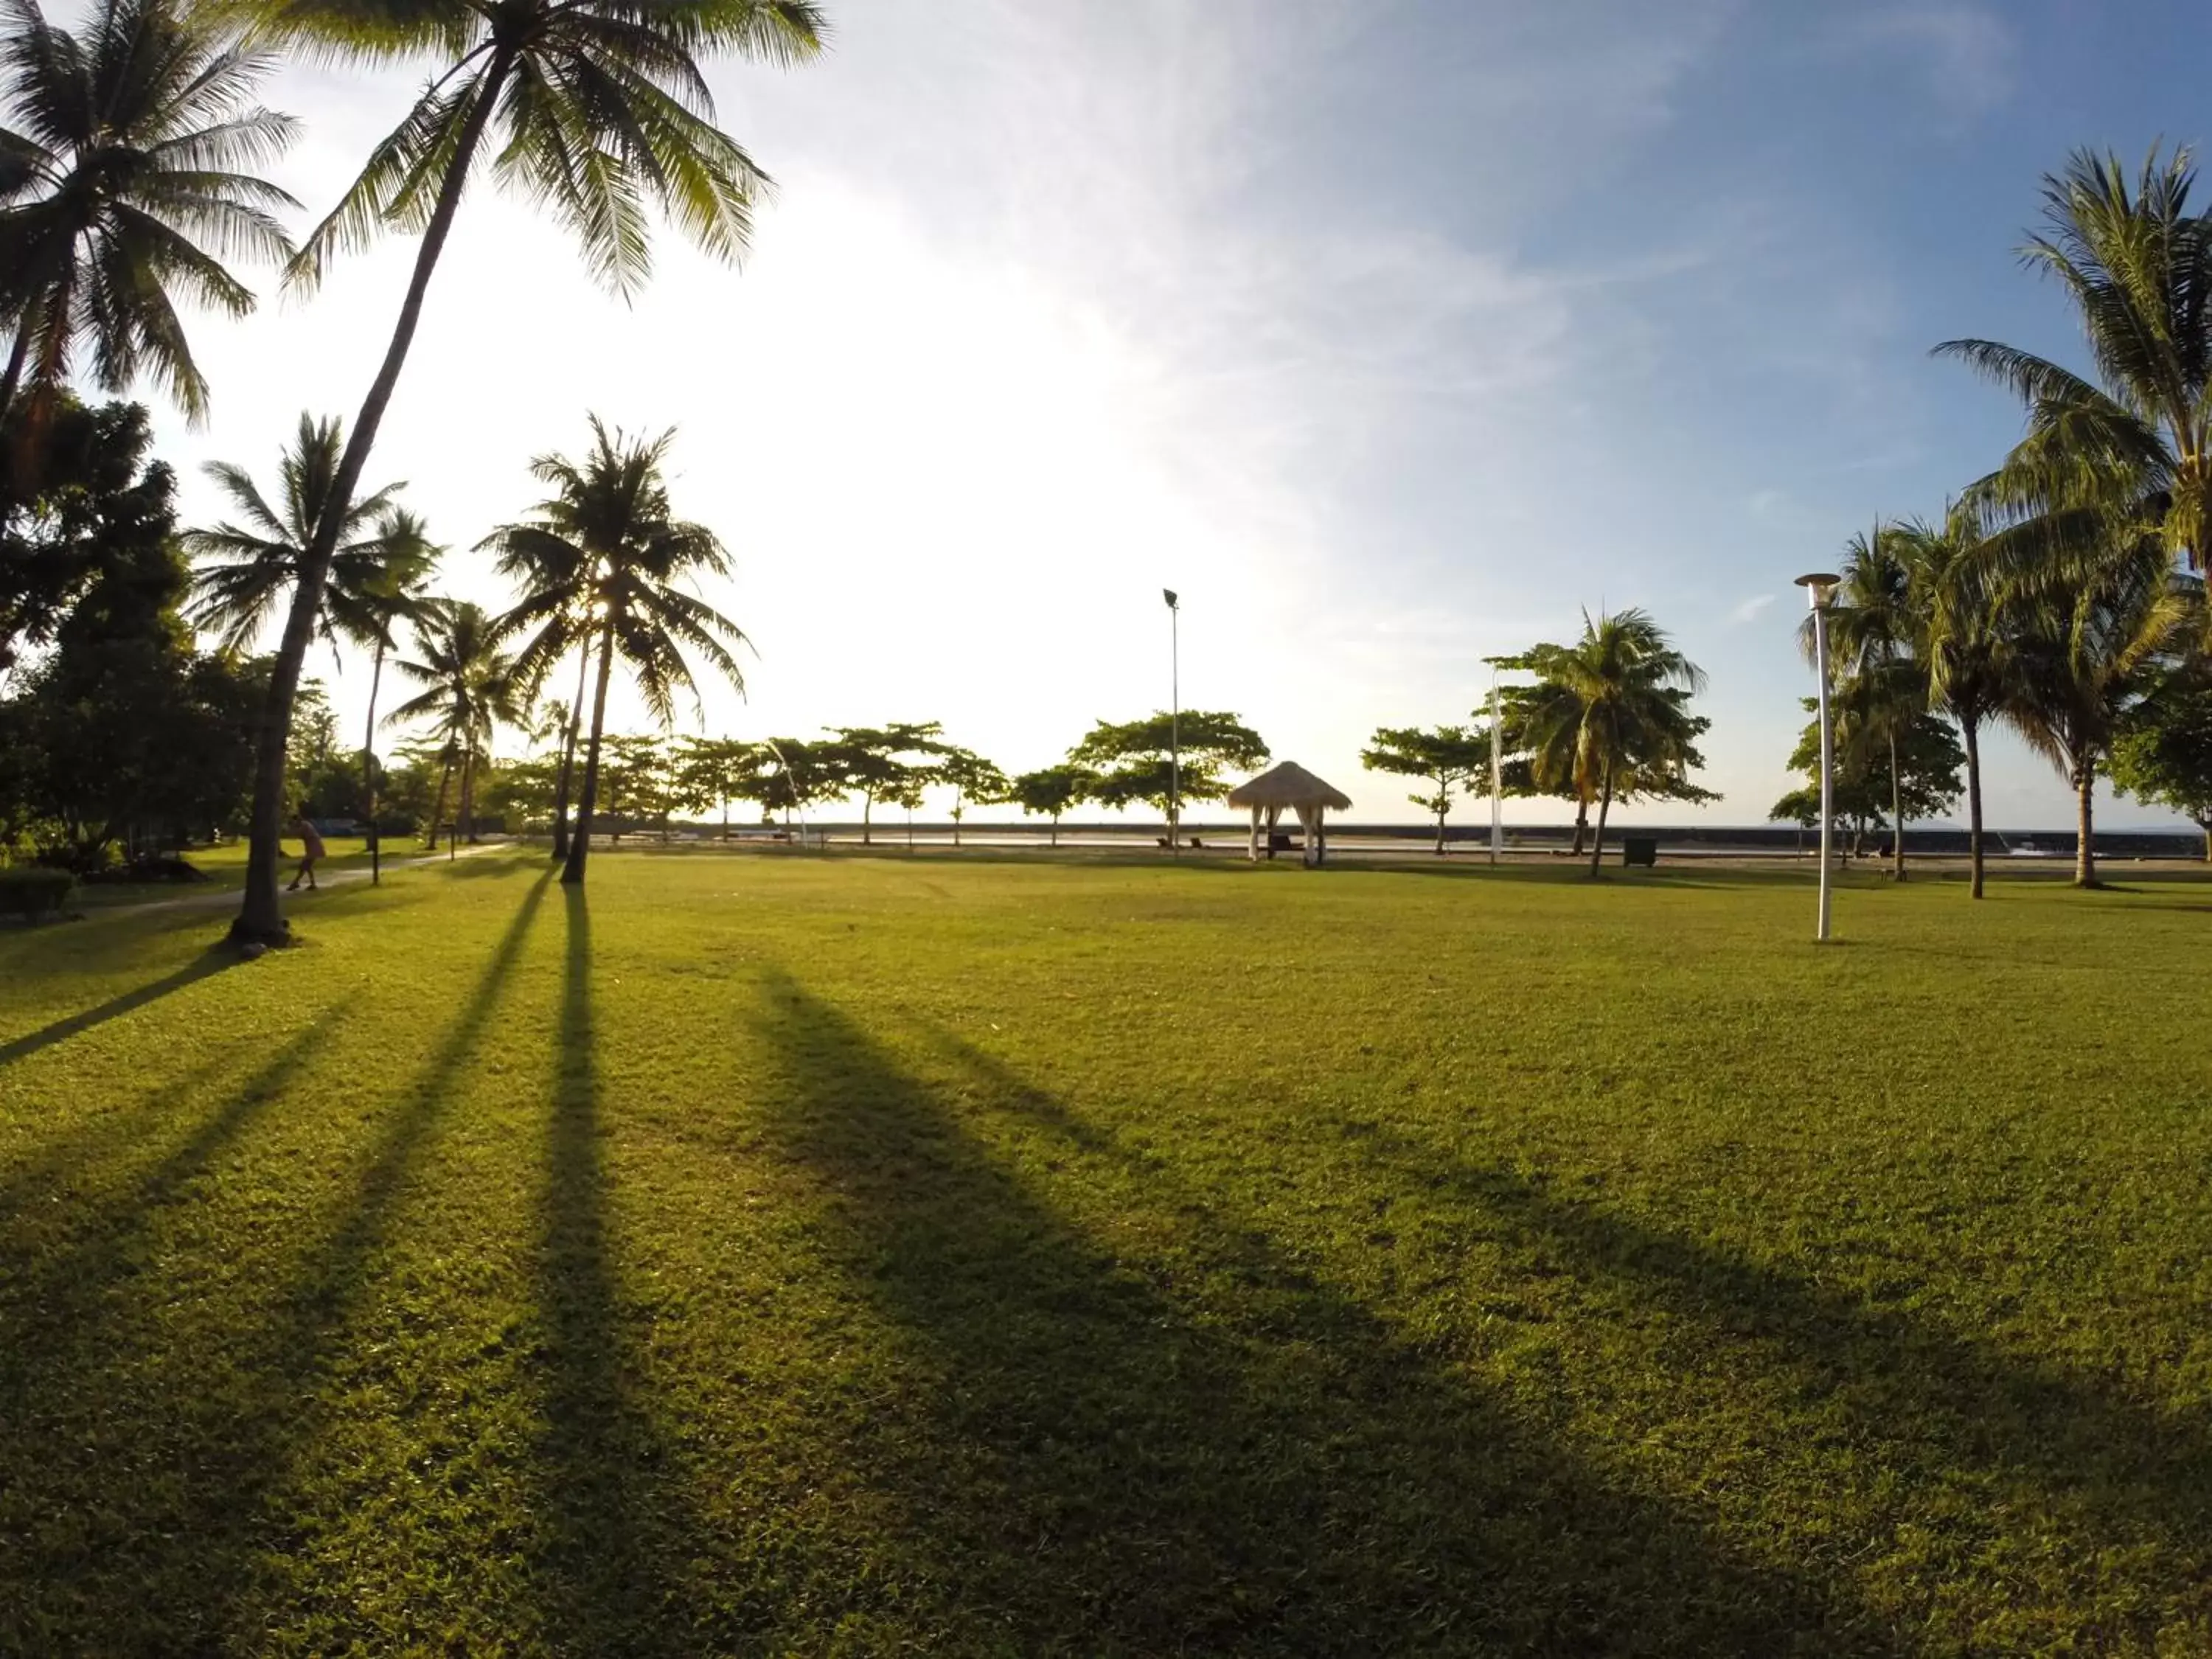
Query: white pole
(1175, 727)
(1828, 757)
(1497, 772)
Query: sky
(1390, 335)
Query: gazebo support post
(1253, 854)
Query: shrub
(32, 890)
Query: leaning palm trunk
(368, 769)
(2085, 853)
(1971, 730)
(468, 824)
(579, 843)
(1581, 827)
(261, 918)
(568, 754)
(1597, 840)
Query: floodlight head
(1820, 587)
(1168, 594)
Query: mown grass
(770, 1254)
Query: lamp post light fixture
(1175, 723)
(1819, 590)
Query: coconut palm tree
(470, 689)
(1875, 631)
(641, 612)
(593, 108)
(553, 559)
(1971, 667)
(2085, 655)
(131, 153)
(2132, 446)
(1616, 700)
(243, 567)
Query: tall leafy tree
(135, 140)
(643, 614)
(1134, 759)
(1051, 790)
(553, 558)
(1971, 665)
(1619, 707)
(100, 502)
(975, 783)
(1874, 633)
(593, 108)
(709, 773)
(470, 688)
(1448, 758)
(380, 575)
(2130, 443)
(2162, 755)
(886, 762)
(2086, 655)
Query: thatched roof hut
(1289, 787)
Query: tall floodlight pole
(1820, 587)
(1175, 723)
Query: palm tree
(641, 613)
(1970, 662)
(553, 560)
(2084, 656)
(1616, 700)
(377, 577)
(470, 689)
(594, 108)
(1874, 629)
(244, 569)
(130, 144)
(2134, 446)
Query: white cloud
(1750, 609)
(1967, 55)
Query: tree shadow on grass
(209, 962)
(1207, 1449)
(615, 1532)
(143, 1472)
(2116, 1490)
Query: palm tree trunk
(1582, 826)
(468, 827)
(2085, 854)
(261, 917)
(1597, 841)
(1973, 733)
(438, 809)
(368, 769)
(579, 844)
(568, 754)
(1896, 811)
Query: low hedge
(32, 890)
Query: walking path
(228, 895)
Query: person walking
(310, 849)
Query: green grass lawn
(773, 1254)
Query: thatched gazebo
(1289, 786)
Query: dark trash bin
(1640, 849)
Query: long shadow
(614, 1533)
(209, 961)
(2117, 1481)
(176, 1554)
(1208, 1450)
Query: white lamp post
(1820, 588)
(1175, 723)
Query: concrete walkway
(227, 895)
